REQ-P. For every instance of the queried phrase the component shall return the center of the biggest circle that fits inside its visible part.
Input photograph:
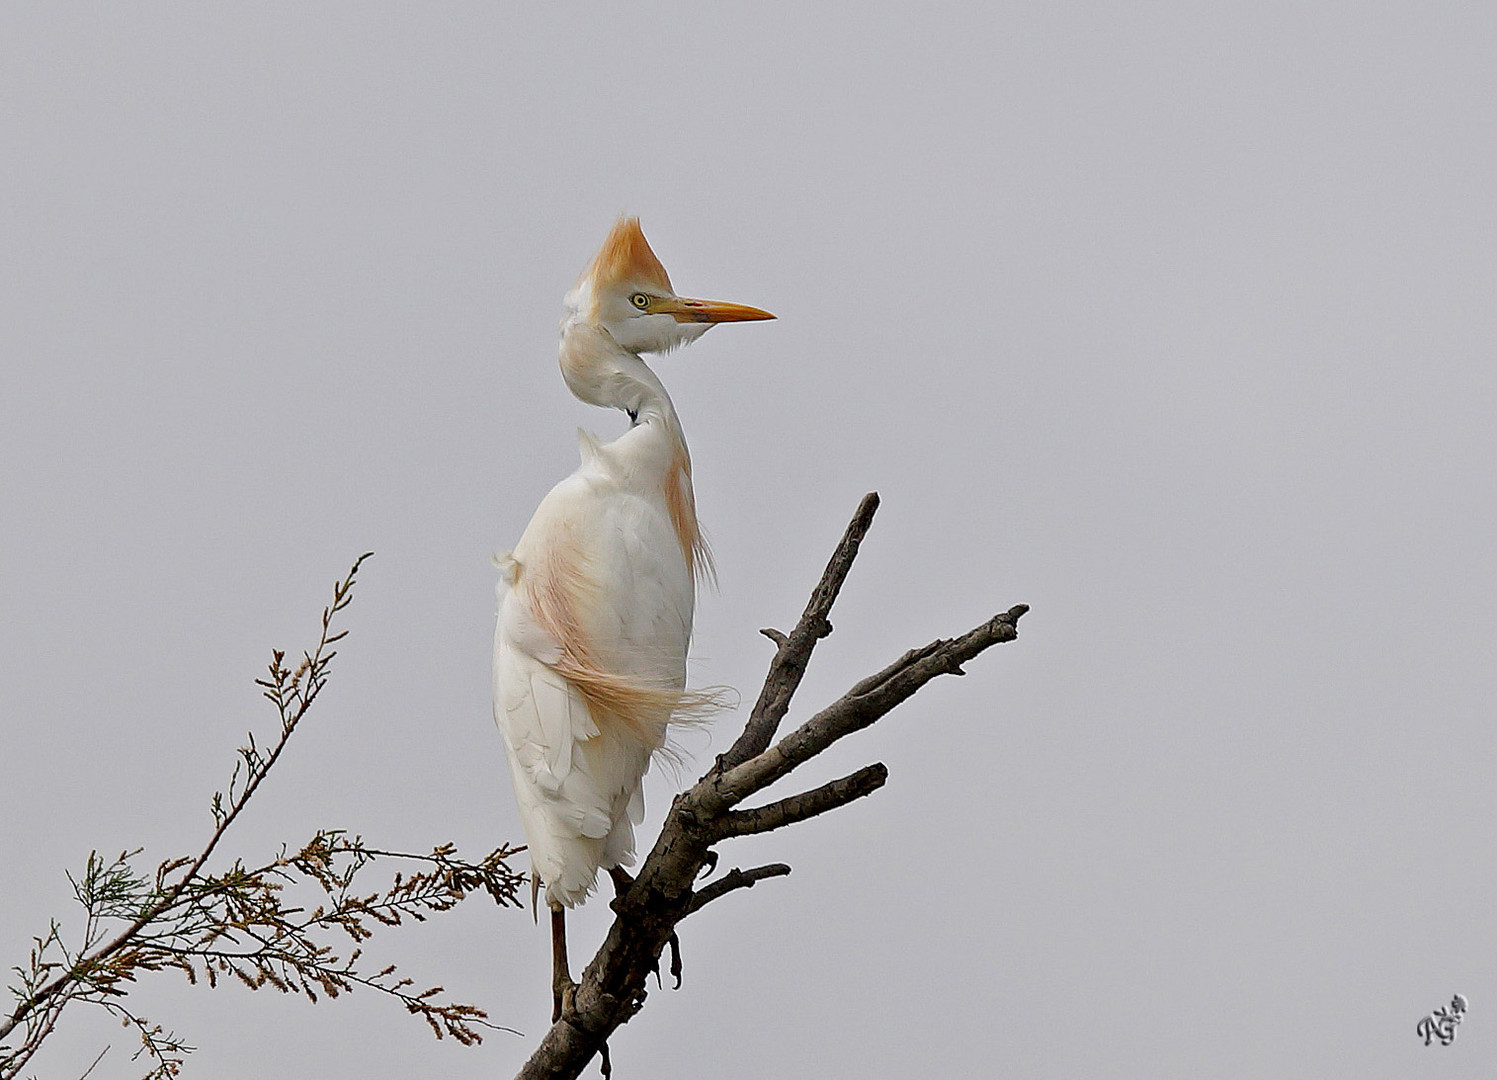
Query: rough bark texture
(612, 988)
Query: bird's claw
(674, 943)
(709, 863)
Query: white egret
(597, 599)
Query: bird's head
(626, 291)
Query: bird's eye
(640, 300)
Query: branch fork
(612, 988)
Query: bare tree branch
(735, 879)
(807, 804)
(794, 653)
(870, 699)
(612, 988)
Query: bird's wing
(542, 718)
(590, 655)
(577, 787)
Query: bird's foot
(674, 944)
(709, 863)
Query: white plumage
(597, 597)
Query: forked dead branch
(612, 988)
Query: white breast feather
(630, 596)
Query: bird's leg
(622, 879)
(562, 986)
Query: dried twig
(239, 921)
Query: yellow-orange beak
(684, 310)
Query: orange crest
(626, 258)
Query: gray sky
(1174, 321)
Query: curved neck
(600, 371)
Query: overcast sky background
(1174, 321)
